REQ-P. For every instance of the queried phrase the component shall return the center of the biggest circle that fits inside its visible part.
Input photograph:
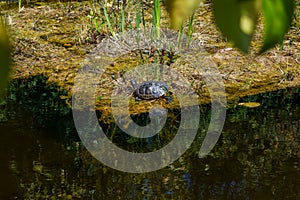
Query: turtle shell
(151, 90)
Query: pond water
(256, 157)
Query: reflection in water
(32, 157)
(257, 157)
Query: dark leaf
(277, 18)
(237, 20)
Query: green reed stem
(157, 16)
(96, 24)
(122, 18)
(138, 15)
(180, 33)
(19, 4)
(138, 20)
(143, 18)
(107, 19)
(190, 27)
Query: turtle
(150, 90)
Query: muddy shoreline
(54, 40)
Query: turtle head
(133, 83)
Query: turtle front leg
(168, 99)
(138, 99)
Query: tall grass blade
(122, 17)
(190, 27)
(107, 19)
(138, 15)
(180, 33)
(19, 4)
(138, 20)
(157, 16)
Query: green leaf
(5, 58)
(277, 18)
(237, 20)
(180, 10)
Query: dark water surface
(256, 157)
